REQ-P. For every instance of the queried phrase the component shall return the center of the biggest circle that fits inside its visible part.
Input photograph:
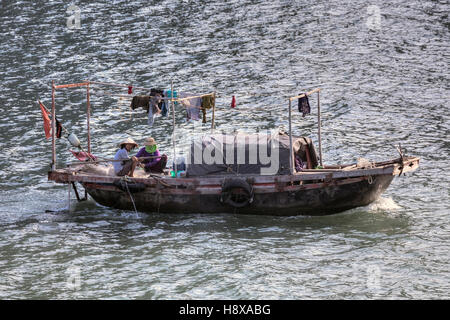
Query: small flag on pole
(48, 123)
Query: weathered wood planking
(64, 176)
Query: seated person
(155, 164)
(126, 166)
(299, 164)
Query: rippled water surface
(384, 71)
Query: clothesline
(241, 96)
(161, 98)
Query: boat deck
(101, 174)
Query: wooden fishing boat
(316, 192)
(327, 189)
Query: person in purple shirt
(150, 149)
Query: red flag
(233, 102)
(47, 122)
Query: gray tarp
(246, 154)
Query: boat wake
(384, 204)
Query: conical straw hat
(128, 141)
(149, 142)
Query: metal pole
(319, 125)
(291, 150)
(173, 129)
(88, 118)
(213, 112)
(76, 191)
(68, 200)
(53, 128)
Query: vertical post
(53, 128)
(88, 98)
(319, 125)
(213, 112)
(68, 200)
(291, 150)
(173, 129)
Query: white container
(74, 140)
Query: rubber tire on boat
(229, 197)
(133, 187)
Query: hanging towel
(158, 92)
(151, 117)
(154, 102)
(303, 105)
(140, 102)
(207, 103)
(153, 109)
(192, 106)
(168, 94)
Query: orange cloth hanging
(47, 122)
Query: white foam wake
(383, 204)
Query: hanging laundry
(303, 105)
(168, 94)
(154, 102)
(153, 109)
(207, 103)
(192, 106)
(151, 117)
(233, 102)
(140, 102)
(164, 108)
(155, 92)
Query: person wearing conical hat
(150, 157)
(123, 164)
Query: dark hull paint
(323, 200)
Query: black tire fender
(236, 192)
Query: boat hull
(311, 192)
(313, 199)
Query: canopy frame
(87, 84)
